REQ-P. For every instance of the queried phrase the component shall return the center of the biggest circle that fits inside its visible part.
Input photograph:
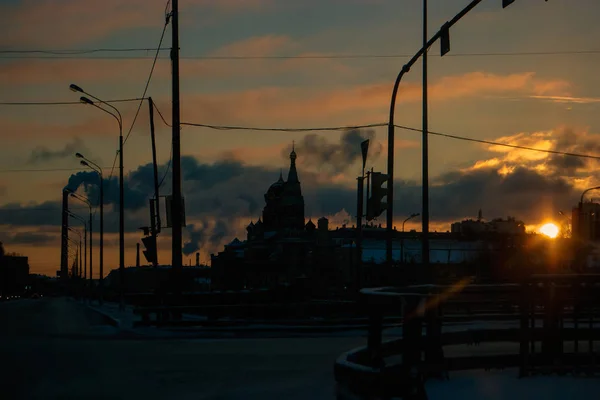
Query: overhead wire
(44, 170)
(81, 51)
(171, 152)
(342, 128)
(168, 168)
(54, 54)
(245, 128)
(162, 36)
(60, 103)
(161, 116)
(492, 143)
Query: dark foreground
(56, 348)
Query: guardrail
(549, 311)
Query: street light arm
(82, 199)
(75, 231)
(76, 217)
(118, 118)
(587, 190)
(416, 57)
(92, 164)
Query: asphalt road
(56, 348)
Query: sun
(550, 230)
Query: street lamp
(413, 215)
(96, 168)
(77, 251)
(580, 211)
(119, 119)
(442, 34)
(77, 217)
(86, 201)
(409, 218)
(80, 240)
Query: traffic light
(506, 3)
(445, 39)
(375, 205)
(150, 252)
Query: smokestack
(197, 259)
(64, 255)
(137, 256)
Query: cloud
(568, 99)
(52, 22)
(42, 154)
(279, 104)
(222, 197)
(19, 130)
(256, 46)
(581, 171)
(336, 157)
(208, 236)
(3, 190)
(29, 238)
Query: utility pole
(137, 255)
(176, 212)
(154, 207)
(359, 230)
(425, 194)
(64, 255)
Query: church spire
(293, 174)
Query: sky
(235, 70)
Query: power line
(43, 170)
(489, 142)
(313, 57)
(161, 116)
(40, 209)
(245, 128)
(60, 103)
(342, 128)
(80, 51)
(149, 76)
(168, 168)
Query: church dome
(276, 189)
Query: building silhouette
(284, 209)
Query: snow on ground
(497, 385)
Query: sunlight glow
(550, 230)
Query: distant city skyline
(542, 101)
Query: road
(56, 348)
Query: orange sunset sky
(489, 87)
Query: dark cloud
(338, 157)
(565, 165)
(2, 190)
(207, 236)
(86, 178)
(31, 238)
(221, 193)
(46, 213)
(253, 206)
(43, 154)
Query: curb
(108, 318)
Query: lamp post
(119, 119)
(77, 217)
(442, 34)
(80, 272)
(580, 211)
(86, 201)
(413, 215)
(77, 251)
(96, 168)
